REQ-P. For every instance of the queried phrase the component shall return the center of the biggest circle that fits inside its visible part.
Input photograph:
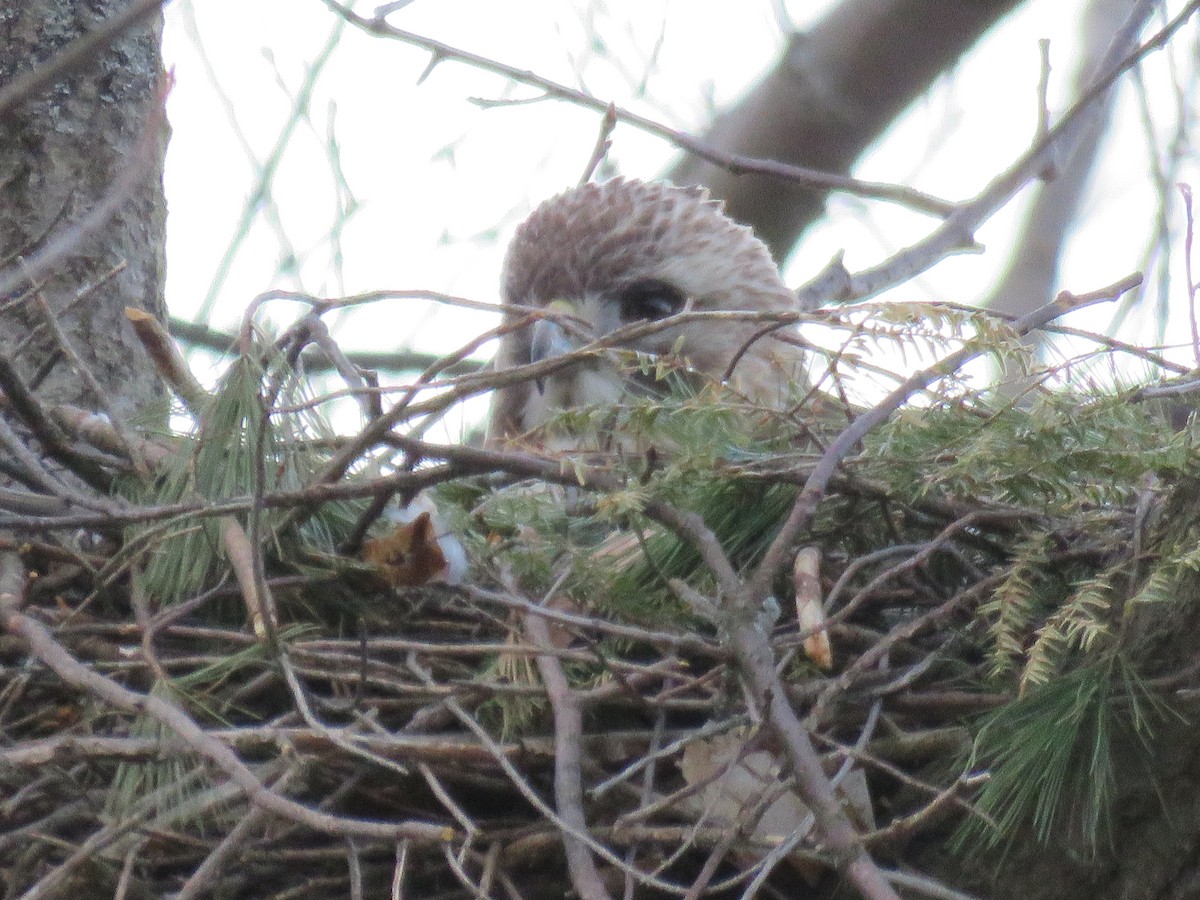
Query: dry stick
(919, 555)
(959, 228)
(463, 386)
(399, 870)
(603, 143)
(908, 825)
(437, 748)
(355, 867)
(756, 659)
(716, 856)
(901, 632)
(928, 887)
(344, 738)
(754, 655)
(70, 815)
(323, 305)
(126, 440)
(318, 334)
(26, 503)
(526, 789)
(168, 360)
(1192, 287)
(201, 881)
(470, 829)
(647, 789)
(698, 734)
(670, 836)
(373, 391)
(195, 334)
(861, 562)
(89, 378)
(674, 641)
(350, 650)
(122, 890)
(568, 780)
(739, 165)
(95, 429)
(618, 340)
(51, 884)
(52, 654)
(313, 494)
(260, 606)
(752, 646)
(457, 870)
(759, 586)
(745, 824)
(779, 853)
(30, 410)
(33, 473)
(377, 428)
(141, 612)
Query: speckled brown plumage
(599, 236)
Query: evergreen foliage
(1034, 557)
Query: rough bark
(66, 151)
(832, 93)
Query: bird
(602, 256)
(584, 267)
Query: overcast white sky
(441, 182)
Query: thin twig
(70, 670)
(812, 178)
(810, 497)
(959, 227)
(603, 143)
(568, 779)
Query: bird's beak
(550, 338)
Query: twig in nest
(51, 653)
(568, 779)
(168, 360)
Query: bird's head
(604, 256)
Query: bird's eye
(649, 300)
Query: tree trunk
(82, 210)
(832, 94)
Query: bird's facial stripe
(650, 299)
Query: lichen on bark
(63, 150)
